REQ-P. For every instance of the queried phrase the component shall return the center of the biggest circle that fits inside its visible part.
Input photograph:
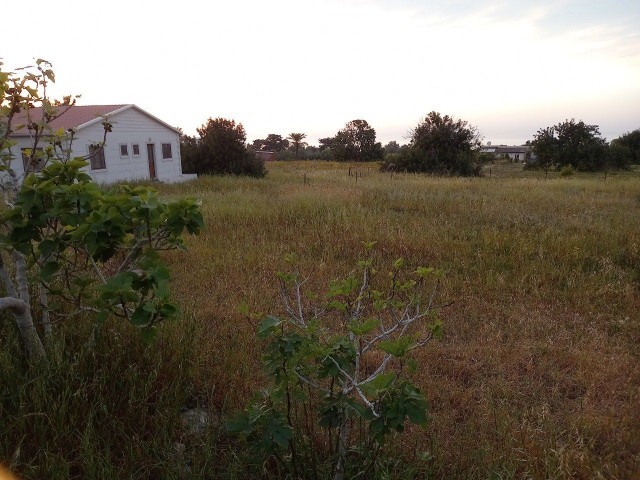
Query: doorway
(151, 156)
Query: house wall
(129, 127)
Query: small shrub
(337, 371)
(567, 171)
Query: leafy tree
(222, 150)
(571, 143)
(440, 145)
(392, 147)
(337, 370)
(625, 150)
(273, 143)
(297, 139)
(189, 153)
(545, 148)
(356, 141)
(325, 143)
(68, 246)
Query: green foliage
(567, 171)
(221, 149)
(392, 147)
(189, 153)
(356, 142)
(78, 247)
(625, 150)
(571, 143)
(336, 370)
(273, 143)
(439, 145)
(297, 141)
(69, 229)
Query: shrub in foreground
(338, 389)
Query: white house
(515, 153)
(139, 147)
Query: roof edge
(128, 107)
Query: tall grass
(537, 375)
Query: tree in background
(571, 143)
(392, 147)
(189, 153)
(273, 143)
(356, 141)
(545, 146)
(222, 150)
(625, 150)
(440, 145)
(325, 143)
(297, 139)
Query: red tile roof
(74, 117)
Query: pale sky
(280, 66)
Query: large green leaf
(397, 348)
(267, 326)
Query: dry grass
(538, 374)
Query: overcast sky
(280, 66)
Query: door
(151, 156)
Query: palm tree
(296, 139)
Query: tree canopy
(189, 153)
(392, 147)
(273, 143)
(297, 140)
(625, 150)
(571, 143)
(222, 150)
(440, 145)
(356, 141)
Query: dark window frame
(97, 158)
(167, 151)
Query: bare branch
(313, 384)
(21, 276)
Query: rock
(195, 421)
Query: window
(38, 159)
(136, 149)
(166, 150)
(96, 157)
(124, 150)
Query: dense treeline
(439, 144)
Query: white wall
(129, 127)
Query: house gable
(139, 146)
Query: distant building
(267, 155)
(516, 153)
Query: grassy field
(538, 372)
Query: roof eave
(122, 109)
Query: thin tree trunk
(22, 315)
(20, 307)
(342, 448)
